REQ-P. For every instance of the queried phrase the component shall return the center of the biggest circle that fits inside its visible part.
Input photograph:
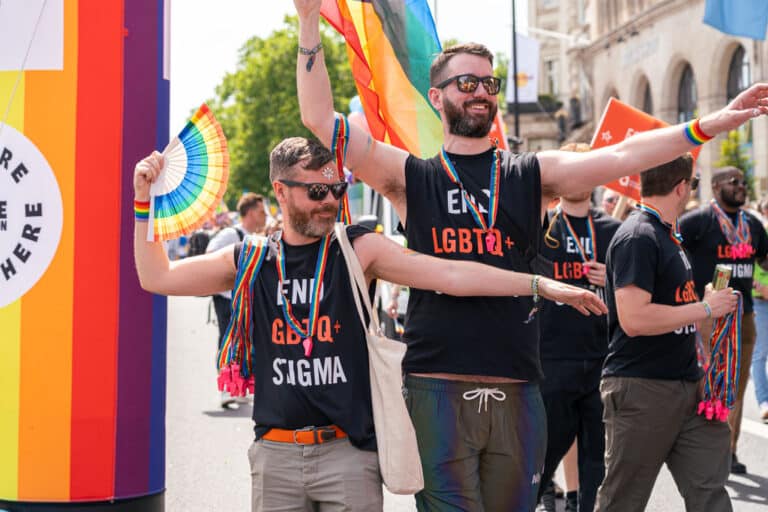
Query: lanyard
(674, 232)
(314, 298)
(474, 209)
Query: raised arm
(199, 275)
(564, 173)
(380, 165)
(384, 259)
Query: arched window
(647, 99)
(738, 73)
(686, 96)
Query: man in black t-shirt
(651, 379)
(315, 443)
(573, 347)
(723, 232)
(470, 202)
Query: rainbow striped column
(82, 352)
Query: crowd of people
(527, 330)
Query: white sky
(206, 37)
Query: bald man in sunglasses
(723, 232)
(473, 202)
(315, 446)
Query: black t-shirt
(472, 335)
(331, 386)
(706, 243)
(566, 333)
(644, 254)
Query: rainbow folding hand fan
(193, 180)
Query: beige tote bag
(395, 436)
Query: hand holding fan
(193, 180)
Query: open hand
(751, 103)
(584, 301)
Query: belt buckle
(326, 434)
(310, 428)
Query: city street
(207, 467)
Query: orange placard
(618, 122)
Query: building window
(738, 73)
(686, 96)
(550, 76)
(647, 99)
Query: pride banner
(391, 45)
(621, 121)
(82, 347)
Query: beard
(731, 200)
(465, 124)
(304, 223)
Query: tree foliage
(734, 153)
(258, 107)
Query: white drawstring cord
(483, 394)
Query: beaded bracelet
(695, 134)
(141, 210)
(707, 308)
(312, 53)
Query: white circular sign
(31, 215)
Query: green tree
(733, 152)
(258, 107)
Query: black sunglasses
(694, 182)
(468, 83)
(319, 191)
(736, 182)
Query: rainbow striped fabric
(82, 353)
(391, 45)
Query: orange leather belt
(306, 435)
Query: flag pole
(514, 71)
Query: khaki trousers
(649, 422)
(328, 477)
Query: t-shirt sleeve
(634, 260)
(355, 231)
(238, 248)
(762, 241)
(690, 228)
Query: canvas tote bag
(395, 436)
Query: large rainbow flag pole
(391, 45)
(82, 347)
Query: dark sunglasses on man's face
(468, 83)
(694, 182)
(319, 191)
(736, 182)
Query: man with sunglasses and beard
(315, 446)
(474, 202)
(651, 381)
(723, 232)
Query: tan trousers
(649, 422)
(329, 477)
(748, 336)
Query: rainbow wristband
(707, 308)
(694, 133)
(141, 210)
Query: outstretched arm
(380, 165)
(564, 173)
(382, 258)
(199, 275)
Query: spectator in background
(760, 354)
(253, 217)
(610, 198)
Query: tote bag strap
(357, 278)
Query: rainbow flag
(391, 45)
(82, 347)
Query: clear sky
(206, 37)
